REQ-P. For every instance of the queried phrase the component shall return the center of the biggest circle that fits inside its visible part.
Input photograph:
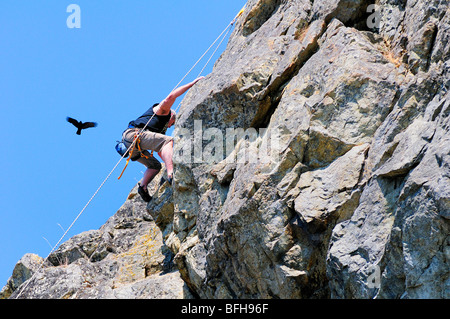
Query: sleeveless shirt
(157, 124)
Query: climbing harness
(132, 146)
(136, 141)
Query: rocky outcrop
(313, 162)
(124, 259)
(24, 270)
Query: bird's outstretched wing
(89, 124)
(73, 121)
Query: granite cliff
(351, 201)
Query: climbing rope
(136, 140)
(218, 46)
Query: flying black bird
(80, 125)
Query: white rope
(129, 149)
(218, 46)
(231, 23)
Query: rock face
(313, 162)
(356, 204)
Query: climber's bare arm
(164, 107)
(172, 119)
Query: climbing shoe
(144, 194)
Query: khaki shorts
(149, 141)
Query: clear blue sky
(126, 56)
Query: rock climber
(153, 138)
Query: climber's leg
(166, 155)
